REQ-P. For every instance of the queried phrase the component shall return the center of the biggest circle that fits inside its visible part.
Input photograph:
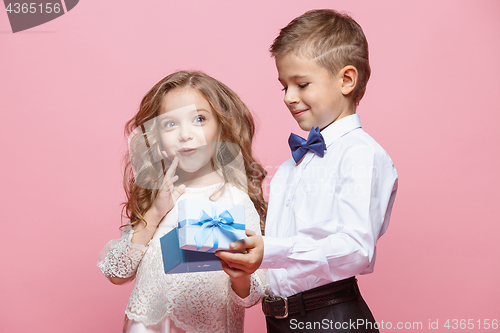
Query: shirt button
(287, 203)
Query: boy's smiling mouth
(298, 113)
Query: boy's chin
(306, 126)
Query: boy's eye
(303, 85)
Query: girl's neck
(201, 178)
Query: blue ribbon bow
(212, 225)
(299, 146)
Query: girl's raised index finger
(171, 181)
(171, 169)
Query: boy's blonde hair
(333, 40)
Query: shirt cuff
(276, 252)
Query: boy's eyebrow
(293, 77)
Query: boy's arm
(364, 207)
(364, 196)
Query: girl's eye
(284, 89)
(199, 120)
(169, 124)
(303, 85)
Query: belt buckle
(285, 315)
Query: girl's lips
(187, 151)
(298, 113)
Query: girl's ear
(349, 76)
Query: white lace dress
(193, 302)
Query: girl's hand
(166, 198)
(240, 276)
(243, 263)
(240, 280)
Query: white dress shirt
(326, 213)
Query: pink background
(68, 87)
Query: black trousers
(350, 316)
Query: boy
(330, 203)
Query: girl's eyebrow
(163, 116)
(166, 114)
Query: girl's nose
(186, 134)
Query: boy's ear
(349, 76)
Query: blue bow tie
(300, 146)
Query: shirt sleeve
(363, 199)
(120, 257)
(257, 279)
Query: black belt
(333, 293)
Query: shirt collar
(340, 128)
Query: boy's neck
(350, 110)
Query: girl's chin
(189, 168)
(192, 168)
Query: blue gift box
(208, 226)
(177, 260)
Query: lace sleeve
(120, 257)
(257, 289)
(257, 279)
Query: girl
(193, 130)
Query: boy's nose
(291, 97)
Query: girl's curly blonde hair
(145, 170)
